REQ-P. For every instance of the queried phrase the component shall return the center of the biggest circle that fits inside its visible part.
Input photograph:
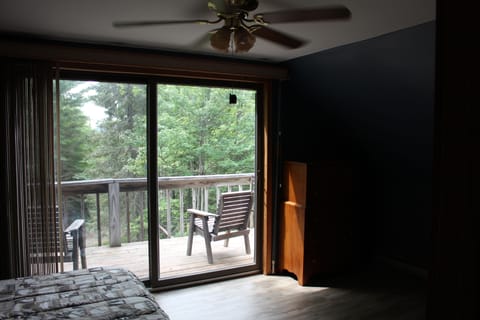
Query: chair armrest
(201, 213)
(77, 224)
(77, 232)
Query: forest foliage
(199, 133)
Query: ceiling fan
(239, 30)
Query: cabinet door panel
(292, 238)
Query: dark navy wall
(371, 104)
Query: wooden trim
(267, 183)
(138, 61)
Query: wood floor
(373, 293)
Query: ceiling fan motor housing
(244, 5)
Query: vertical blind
(29, 221)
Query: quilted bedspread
(95, 293)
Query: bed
(95, 293)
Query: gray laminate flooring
(372, 293)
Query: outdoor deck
(173, 259)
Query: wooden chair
(74, 243)
(231, 220)
(49, 245)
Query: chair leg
(208, 246)
(247, 244)
(206, 237)
(225, 242)
(190, 235)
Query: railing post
(182, 209)
(127, 204)
(194, 198)
(99, 224)
(142, 227)
(114, 214)
(205, 195)
(168, 194)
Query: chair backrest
(233, 211)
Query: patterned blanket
(95, 293)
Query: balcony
(173, 259)
(117, 225)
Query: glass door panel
(206, 147)
(102, 161)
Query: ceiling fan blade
(312, 14)
(278, 37)
(122, 24)
(202, 41)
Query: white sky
(94, 112)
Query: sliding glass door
(135, 154)
(206, 146)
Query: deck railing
(123, 201)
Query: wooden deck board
(173, 258)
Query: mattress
(95, 293)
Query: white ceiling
(91, 21)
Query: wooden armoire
(315, 221)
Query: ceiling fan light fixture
(220, 39)
(238, 40)
(246, 5)
(243, 40)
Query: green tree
(75, 132)
(75, 148)
(200, 132)
(120, 139)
